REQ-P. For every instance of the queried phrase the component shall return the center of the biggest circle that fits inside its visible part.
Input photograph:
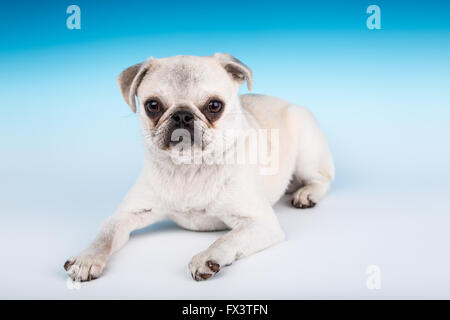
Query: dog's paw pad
(204, 276)
(213, 269)
(213, 266)
(203, 270)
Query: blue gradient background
(70, 144)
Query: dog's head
(185, 98)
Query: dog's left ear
(238, 70)
(130, 79)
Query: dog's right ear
(130, 79)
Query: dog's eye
(153, 106)
(215, 106)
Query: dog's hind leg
(314, 169)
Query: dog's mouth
(174, 138)
(181, 136)
(172, 135)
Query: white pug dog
(190, 109)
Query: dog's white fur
(204, 196)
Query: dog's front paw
(203, 266)
(86, 266)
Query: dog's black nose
(183, 117)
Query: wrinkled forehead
(184, 77)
